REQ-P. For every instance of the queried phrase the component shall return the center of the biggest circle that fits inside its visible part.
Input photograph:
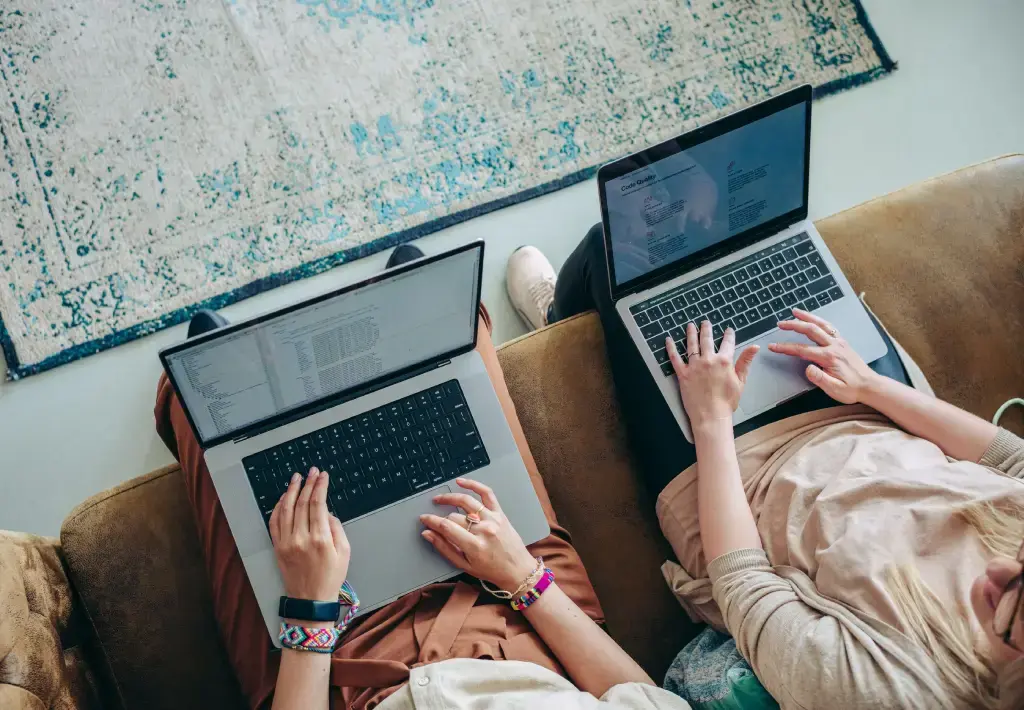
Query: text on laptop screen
(692, 200)
(337, 344)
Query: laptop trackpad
(774, 378)
(389, 556)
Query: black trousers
(657, 441)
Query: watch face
(308, 610)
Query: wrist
(711, 429)
(873, 390)
(510, 580)
(324, 594)
(306, 624)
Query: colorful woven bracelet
(534, 594)
(347, 597)
(301, 638)
(321, 640)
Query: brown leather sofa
(117, 613)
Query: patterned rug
(159, 155)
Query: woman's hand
(310, 543)
(836, 367)
(709, 383)
(490, 550)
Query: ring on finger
(833, 333)
(474, 515)
(471, 520)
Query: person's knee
(595, 238)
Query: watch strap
(308, 610)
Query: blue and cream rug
(162, 154)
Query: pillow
(710, 674)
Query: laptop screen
(290, 360)
(674, 206)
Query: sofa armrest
(134, 557)
(942, 265)
(41, 663)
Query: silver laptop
(712, 225)
(379, 385)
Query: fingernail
(423, 517)
(312, 472)
(296, 477)
(460, 481)
(799, 310)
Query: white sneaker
(530, 281)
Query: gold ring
(471, 521)
(833, 332)
(695, 353)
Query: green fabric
(710, 674)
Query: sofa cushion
(135, 560)
(942, 264)
(41, 661)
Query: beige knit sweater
(840, 496)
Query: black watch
(309, 610)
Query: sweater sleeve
(640, 696)
(1006, 454)
(813, 652)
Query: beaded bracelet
(534, 594)
(321, 640)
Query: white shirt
(474, 684)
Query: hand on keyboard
(710, 384)
(311, 547)
(836, 367)
(490, 549)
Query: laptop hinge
(341, 398)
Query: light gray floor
(957, 98)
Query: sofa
(116, 613)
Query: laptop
(712, 225)
(379, 385)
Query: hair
(966, 670)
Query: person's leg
(242, 629)
(656, 440)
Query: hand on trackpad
(389, 556)
(773, 378)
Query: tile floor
(957, 98)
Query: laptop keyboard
(751, 295)
(378, 457)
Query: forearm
(303, 680)
(591, 658)
(726, 522)
(959, 434)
